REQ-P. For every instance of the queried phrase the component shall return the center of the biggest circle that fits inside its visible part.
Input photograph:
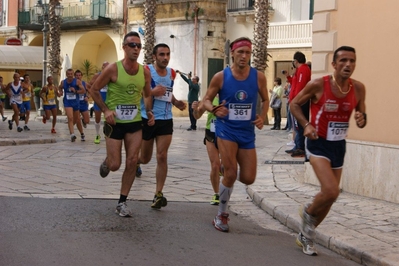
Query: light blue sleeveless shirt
(162, 105)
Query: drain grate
(284, 162)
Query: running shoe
(82, 137)
(4, 118)
(104, 170)
(308, 223)
(289, 151)
(97, 139)
(220, 222)
(215, 199)
(298, 153)
(306, 244)
(53, 131)
(22, 118)
(291, 143)
(73, 138)
(139, 172)
(26, 128)
(159, 201)
(19, 129)
(10, 124)
(44, 120)
(83, 123)
(123, 210)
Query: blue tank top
(162, 105)
(68, 95)
(83, 96)
(241, 98)
(16, 93)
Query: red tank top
(330, 115)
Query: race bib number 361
(337, 130)
(126, 112)
(242, 112)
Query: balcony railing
(240, 5)
(88, 10)
(290, 34)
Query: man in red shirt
(332, 99)
(298, 82)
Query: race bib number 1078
(337, 130)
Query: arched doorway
(91, 50)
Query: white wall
(182, 51)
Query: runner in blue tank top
(83, 107)
(162, 80)
(70, 88)
(238, 89)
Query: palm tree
(55, 42)
(261, 30)
(150, 11)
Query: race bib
(212, 127)
(337, 130)
(71, 96)
(240, 111)
(51, 101)
(17, 97)
(104, 89)
(28, 94)
(167, 97)
(81, 97)
(126, 112)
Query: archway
(91, 50)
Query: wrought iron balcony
(90, 13)
(240, 5)
(1, 18)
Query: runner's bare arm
(360, 114)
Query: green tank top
(124, 95)
(211, 117)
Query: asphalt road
(60, 232)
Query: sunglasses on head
(134, 45)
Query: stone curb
(12, 142)
(285, 209)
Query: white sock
(97, 126)
(224, 197)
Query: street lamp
(42, 10)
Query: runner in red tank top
(333, 99)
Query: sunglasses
(133, 44)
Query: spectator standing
(276, 96)
(193, 91)
(298, 82)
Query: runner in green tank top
(127, 82)
(211, 146)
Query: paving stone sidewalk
(362, 229)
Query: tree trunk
(261, 30)
(150, 9)
(54, 64)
